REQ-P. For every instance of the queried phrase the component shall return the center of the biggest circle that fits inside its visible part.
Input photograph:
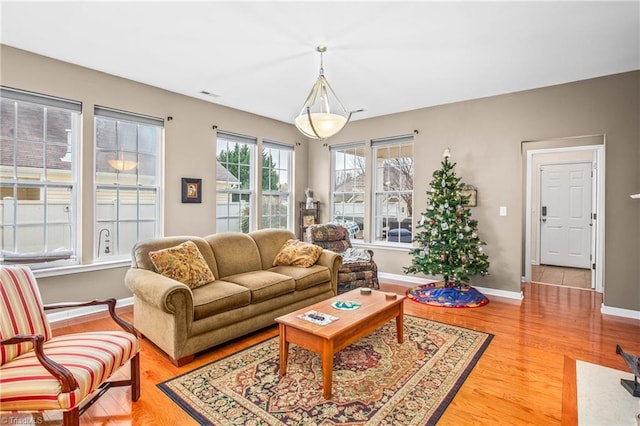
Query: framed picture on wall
(191, 190)
(471, 192)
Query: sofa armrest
(333, 261)
(166, 294)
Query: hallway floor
(558, 275)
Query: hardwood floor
(518, 380)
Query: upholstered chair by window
(358, 268)
(40, 372)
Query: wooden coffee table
(326, 340)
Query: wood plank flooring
(518, 380)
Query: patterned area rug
(375, 380)
(436, 294)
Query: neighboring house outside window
(39, 138)
(235, 184)
(276, 185)
(128, 181)
(348, 188)
(393, 189)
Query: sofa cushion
(305, 277)
(297, 253)
(217, 297)
(263, 285)
(235, 253)
(269, 242)
(140, 252)
(183, 263)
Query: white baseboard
(516, 295)
(404, 278)
(620, 312)
(417, 280)
(85, 310)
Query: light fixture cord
(321, 64)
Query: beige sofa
(248, 292)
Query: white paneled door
(565, 215)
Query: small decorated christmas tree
(448, 244)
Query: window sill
(78, 269)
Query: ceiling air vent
(213, 95)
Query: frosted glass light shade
(322, 114)
(324, 124)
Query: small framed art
(471, 192)
(191, 190)
(308, 220)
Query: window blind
(392, 140)
(52, 101)
(237, 138)
(128, 116)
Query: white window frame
(378, 232)
(226, 189)
(339, 165)
(110, 245)
(284, 167)
(51, 253)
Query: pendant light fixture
(322, 115)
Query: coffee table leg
(400, 324)
(284, 349)
(327, 367)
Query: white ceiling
(383, 57)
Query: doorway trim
(598, 159)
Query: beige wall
(485, 138)
(484, 135)
(190, 151)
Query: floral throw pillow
(297, 253)
(183, 263)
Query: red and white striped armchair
(40, 372)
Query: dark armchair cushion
(329, 237)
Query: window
(127, 177)
(393, 189)
(235, 177)
(38, 177)
(276, 185)
(348, 188)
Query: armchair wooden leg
(71, 418)
(135, 377)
